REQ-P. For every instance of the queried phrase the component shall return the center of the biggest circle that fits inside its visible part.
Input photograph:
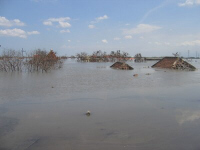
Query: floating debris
(121, 65)
(88, 113)
(174, 63)
(148, 74)
(135, 75)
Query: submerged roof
(173, 63)
(121, 65)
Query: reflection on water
(188, 116)
(159, 111)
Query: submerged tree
(11, 60)
(43, 61)
(100, 56)
(39, 60)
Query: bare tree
(11, 61)
(38, 60)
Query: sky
(149, 27)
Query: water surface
(46, 111)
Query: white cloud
(128, 37)
(141, 28)
(158, 43)
(166, 43)
(141, 37)
(153, 10)
(14, 33)
(48, 23)
(8, 23)
(59, 19)
(189, 3)
(17, 33)
(100, 19)
(191, 43)
(127, 24)
(62, 21)
(64, 24)
(117, 38)
(69, 40)
(91, 26)
(33, 32)
(104, 41)
(65, 31)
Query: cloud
(189, 3)
(164, 43)
(104, 41)
(91, 26)
(62, 21)
(17, 33)
(98, 19)
(191, 43)
(141, 37)
(141, 28)
(64, 24)
(14, 33)
(128, 37)
(117, 38)
(65, 31)
(102, 18)
(153, 10)
(158, 43)
(69, 40)
(167, 43)
(33, 32)
(48, 23)
(8, 23)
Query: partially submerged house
(121, 65)
(174, 63)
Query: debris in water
(135, 75)
(88, 113)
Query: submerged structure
(174, 63)
(121, 65)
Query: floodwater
(46, 111)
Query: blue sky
(150, 27)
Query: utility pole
(188, 53)
(23, 52)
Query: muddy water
(160, 111)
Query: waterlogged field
(46, 111)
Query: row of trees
(100, 56)
(38, 60)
